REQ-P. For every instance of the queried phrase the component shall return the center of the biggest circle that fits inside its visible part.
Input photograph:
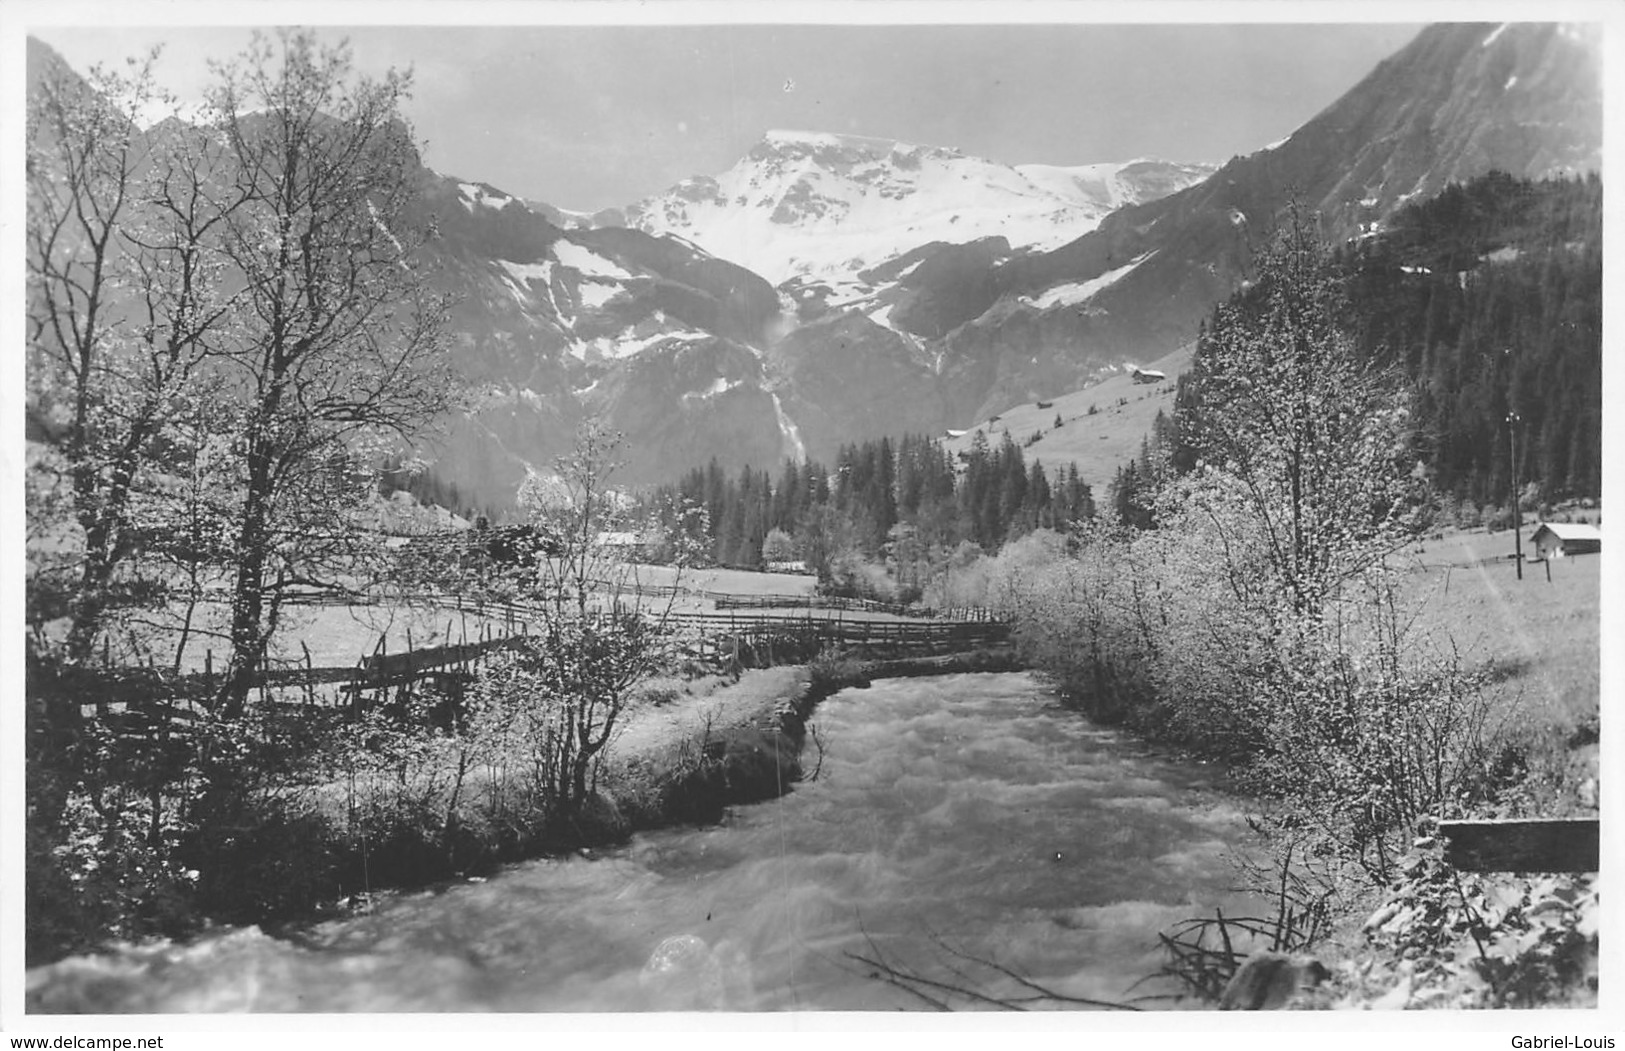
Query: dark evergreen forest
(884, 500)
(1488, 299)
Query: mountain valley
(829, 289)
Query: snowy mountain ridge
(830, 288)
(821, 207)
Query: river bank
(681, 764)
(948, 826)
(327, 818)
(1408, 945)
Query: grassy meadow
(1549, 632)
(1098, 442)
(1542, 639)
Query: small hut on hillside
(1560, 539)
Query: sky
(587, 117)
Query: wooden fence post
(381, 652)
(310, 681)
(356, 681)
(412, 678)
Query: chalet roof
(1570, 531)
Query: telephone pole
(1513, 419)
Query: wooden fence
(877, 638)
(722, 639)
(518, 609)
(818, 602)
(110, 689)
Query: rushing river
(954, 820)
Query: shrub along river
(952, 819)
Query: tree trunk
(248, 638)
(101, 514)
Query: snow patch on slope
(718, 386)
(586, 262)
(628, 343)
(476, 195)
(594, 294)
(1073, 293)
(542, 272)
(517, 276)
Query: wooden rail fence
(818, 602)
(154, 688)
(517, 609)
(902, 638)
(722, 638)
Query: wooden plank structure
(904, 638)
(1539, 845)
(817, 602)
(135, 685)
(725, 639)
(519, 608)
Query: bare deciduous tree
(124, 304)
(338, 337)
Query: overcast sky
(588, 117)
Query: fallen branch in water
(914, 983)
(891, 976)
(1041, 994)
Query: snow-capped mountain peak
(821, 206)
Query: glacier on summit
(821, 207)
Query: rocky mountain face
(830, 289)
(661, 319)
(933, 282)
(548, 325)
(650, 333)
(1458, 101)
